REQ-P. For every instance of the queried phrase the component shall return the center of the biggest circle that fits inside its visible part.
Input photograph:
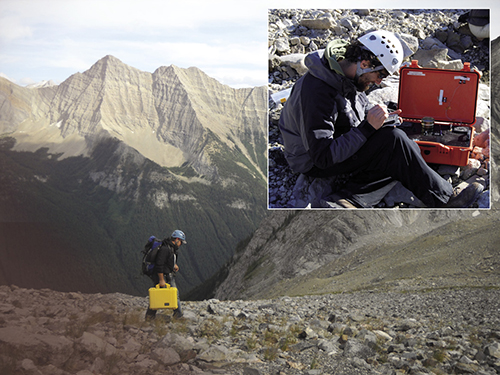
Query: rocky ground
(440, 331)
(436, 39)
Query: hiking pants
(390, 155)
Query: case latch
(414, 64)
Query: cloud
(74, 34)
(52, 39)
(12, 29)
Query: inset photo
(379, 109)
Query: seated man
(328, 128)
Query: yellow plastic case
(162, 298)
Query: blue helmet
(180, 235)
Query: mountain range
(95, 165)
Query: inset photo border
(379, 109)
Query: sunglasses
(382, 75)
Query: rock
(282, 46)
(95, 344)
(408, 324)
(328, 346)
(295, 61)
(28, 365)
(132, 345)
(324, 22)
(347, 23)
(251, 371)
(466, 368)
(368, 338)
(216, 353)
(431, 58)
(482, 139)
(470, 169)
(410, 44)
(493, 350)
(166, 356)
(308, 334)
(355, 348)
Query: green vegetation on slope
(104, 208)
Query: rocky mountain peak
(166, 116)
(107, 64)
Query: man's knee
(386, 138)
(396, 138)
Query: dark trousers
(151, 314)
(390, 155)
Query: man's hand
(162, 281)
(378, 114)
(176, 268)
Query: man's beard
(361, 85)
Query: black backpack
(149, 255)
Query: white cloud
(12, 28)
(147, 34)
(25, 81)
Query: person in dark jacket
(329, 129)
(166, 266)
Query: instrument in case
(439, 111)
(162, 298)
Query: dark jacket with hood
(166, 257)
(323, 121)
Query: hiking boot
(466, 197)
(150, 315)
(344, 203)
(177, 315)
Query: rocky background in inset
(437, 40)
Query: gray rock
(324, 22)
(493, 350)
(166, 356)
(295, 61)
(357, 349)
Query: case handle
(166, 285)
(414, 64)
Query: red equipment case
(449, 97)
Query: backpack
(149, 255)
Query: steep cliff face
(320, 252)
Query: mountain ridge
(170, 109)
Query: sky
(227, 39)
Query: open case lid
(446, 95)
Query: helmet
(386, 46)
(180, 235)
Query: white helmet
(386, 46)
